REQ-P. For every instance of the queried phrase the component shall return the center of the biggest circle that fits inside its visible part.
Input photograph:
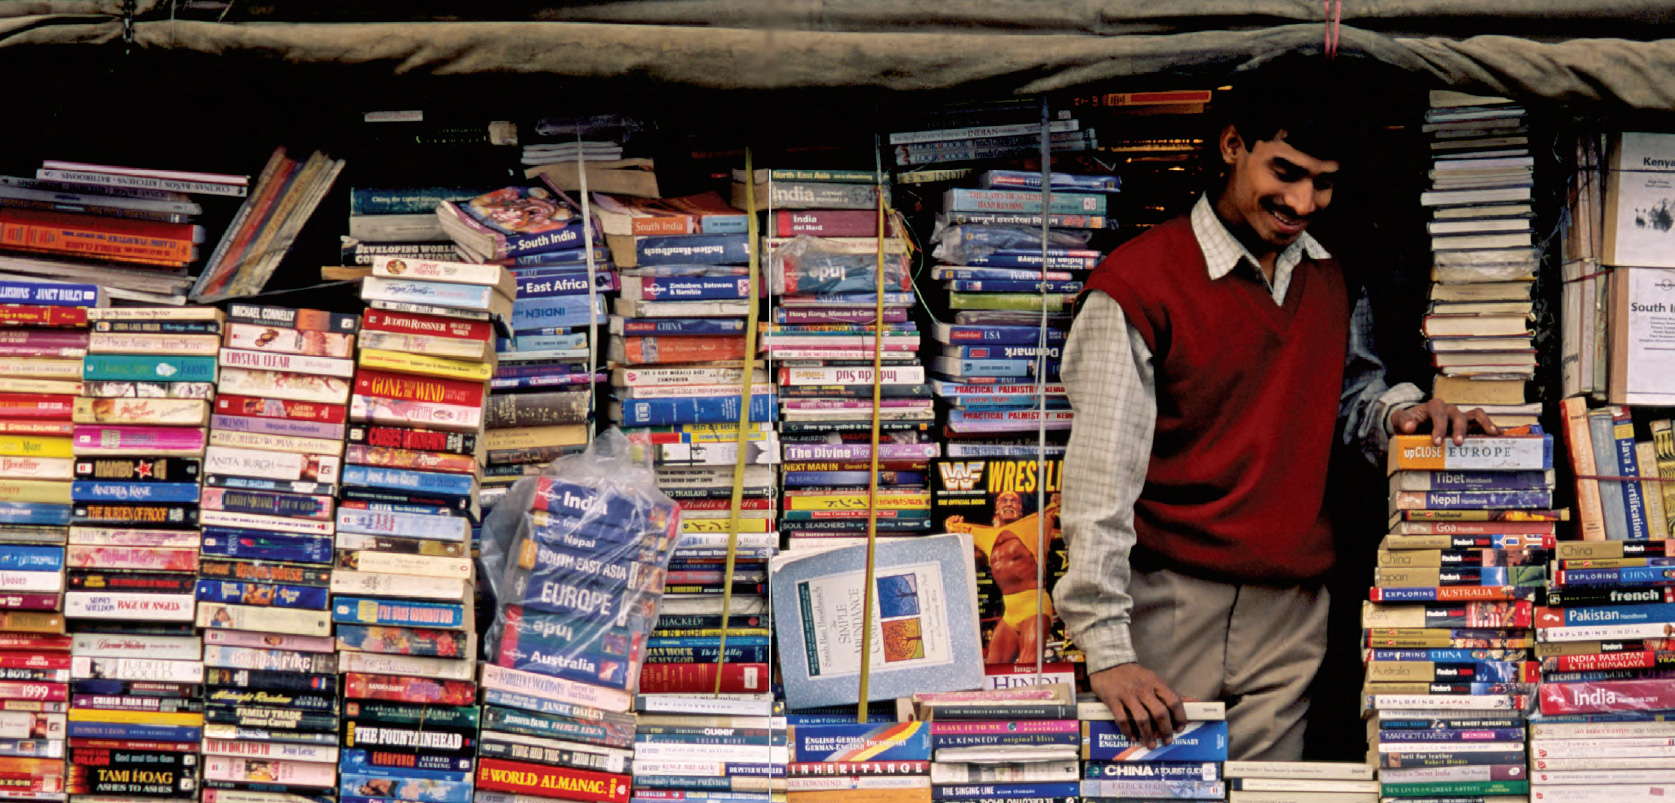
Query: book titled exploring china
(924, 621)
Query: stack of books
(1612, 754)
(1005, 744)
(285, 195)
(400, 222)
(1285, 781)
(730, 748)
(994, 354)
(1601, 443)
(1485, 259)
(138, 665)
(981, 135)
(404, 592)
(1117, 767)
(126, 229)
(48, 322)
(276, 439)
(885, 761)
(1614, 335)
(1449, 621)
(541, 397)
(577, 597)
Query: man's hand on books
(1444, 420)
(1145, 708)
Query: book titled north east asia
(924, 621)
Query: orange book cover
(643, 350)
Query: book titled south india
(924, 634)
(1478, 453)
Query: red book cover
(1606, 696)
(397, 689)
(256, 407)
(105, 237)
(34, 660)
(700, 678)
(1638, 659)
(405, 323)
(651, 350)
(37, 406)
(37, 428)
(826, 222)
(149, 747)
(38, 315)
(435, 390)
(35, 641)
(551, 782)
(30, 690)
(29, 602)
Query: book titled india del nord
(924, 621)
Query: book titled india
(923, 622)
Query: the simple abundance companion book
(924, 621)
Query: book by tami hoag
(924, 621)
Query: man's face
(1273, 191)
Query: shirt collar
(1223, 252)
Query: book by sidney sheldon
(996, 501)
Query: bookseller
(1211, 363)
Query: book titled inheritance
(923, 622)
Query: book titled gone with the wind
(924, 621)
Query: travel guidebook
(995, 500)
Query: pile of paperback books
(577, 585)
(1449, 621)
(35, 472)
(994, 356)
(1269, 781)
(276, 441)
(147, 381)
(1118, 767)
(838, 760)
(403, 591)
(1009, 744)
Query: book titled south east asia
(1478, 453)
(923, 622)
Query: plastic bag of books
(574, 559)
(808, 265)
(959, 244)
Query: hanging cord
(1333, 18)
(592, 287)
(1041, 540)
(129, 9)
(867, 591)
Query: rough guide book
(995, 500)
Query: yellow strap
(872, 477)
(746, 385)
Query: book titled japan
(923, 622)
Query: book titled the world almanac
(924, 621)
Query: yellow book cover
(425, 365)
(25, 446)
(186, 719)
(36, 491)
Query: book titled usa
(135, 367)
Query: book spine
(1628, 465)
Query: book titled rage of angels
(923, 622)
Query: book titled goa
(923, 622)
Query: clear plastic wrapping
(574, 560)
(958, 244)
(814, 265)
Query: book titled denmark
(923, 621)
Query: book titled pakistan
(923, 622)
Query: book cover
(924, 627)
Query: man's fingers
(1177, 709)
(1457, 425)
(1406, 421)
(1483, 421)
(1119, 712)
(1142, 720)
(1162, 722)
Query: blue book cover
(56, 294)
(398, 613)
(31, 558)
(1027, 179)
(570, 340)
(677, 326)
(34, 513)
(966, 273)
(147, 368)
(997, 260)
(513, 221)
(547, 381)
(263, 594)
(408, 480)
(964, 334)
(1012, 286)
(261, 545)
(1628, 575)
(1006, 790)
(405, 200)
(1628, 465)
(1619, 614)
(708, 655)
(545, 283)
(107, 491)
(1199, 741)
(1471, 480)
(1448, 655)
(441, 294)
(685, 288)
(565, 258)
(724, 249)
(1150, 771)
(694, 410)
(1454, 735)
(132, 731)
(1021, 202)
(409, 786)
(1029, 219)
(1001, 352)
(1612, 505)
(851, 742)
(1527, 499)
(885, 478)
(530, 315)
(924, 634)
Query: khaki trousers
(1254, 647)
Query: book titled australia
(923, 621)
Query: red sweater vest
(1247, 408)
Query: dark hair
(1321, 106)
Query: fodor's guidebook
(924, 621)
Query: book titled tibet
(1533, 452)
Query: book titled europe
(1478, 453)
(923, 622)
